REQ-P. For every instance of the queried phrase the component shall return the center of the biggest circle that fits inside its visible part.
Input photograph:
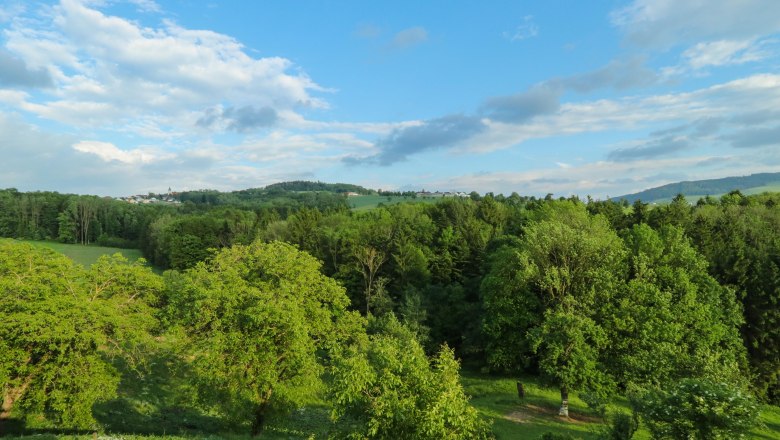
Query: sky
(598, 98)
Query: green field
(85, 255)
(148, 409)
(365, 203)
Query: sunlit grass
(365, 203)
(85, 255)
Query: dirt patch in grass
(529, 412)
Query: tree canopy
(256, 317)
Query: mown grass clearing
(365, 203)
(85, 255)
(529, 418)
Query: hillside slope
(713, 187)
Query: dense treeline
(70, 218)
(279, 197)
(74, 218)
(597, 298)
(305, 185)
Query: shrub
(697, 409)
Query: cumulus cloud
(664, 23)
(694, 114)
(619, 74)
(756, 137)
(110, 152)
(241, 119)
(656, 148)
(602, 179)
(544, 98)
(538, 100)
(34, 159)
(444, 132)
(722, 53)
(14, 72)
(97, 167)
(109, 68)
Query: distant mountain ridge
(713, 187)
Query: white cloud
(756, 93)
(527, 29)
(110, 152)
(9, 12)
(721, 53)
(665, 23)
(146, 5)
(603, 179)
(107, 68)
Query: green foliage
(672, 319)
(556, 436)
(60, 327)
(621, 426)
(569, 345)
(389, 389)
(742, 243)
(697, 410)
(86, 255)
(303, 185)
(567, 266)
(256, 317)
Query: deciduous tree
(256, 317)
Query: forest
(259, 299)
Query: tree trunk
(259, 422)
(260, 412)
(564, 411)
(10, 397)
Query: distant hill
(754, 183)
(304, 185)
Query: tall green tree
(60, 328)
(672, 320)
(568, 265)
(386, 388)
(741, 241)
(257, 317)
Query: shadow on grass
(154, 401)
(121, 416)
(495, 397)
(312, 421)
(18, 427)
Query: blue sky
(569, 97)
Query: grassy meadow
(365, 203)
(85, 255)
(149, 408)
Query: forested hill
(714, 187)
(284, 196)
(304, 185)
